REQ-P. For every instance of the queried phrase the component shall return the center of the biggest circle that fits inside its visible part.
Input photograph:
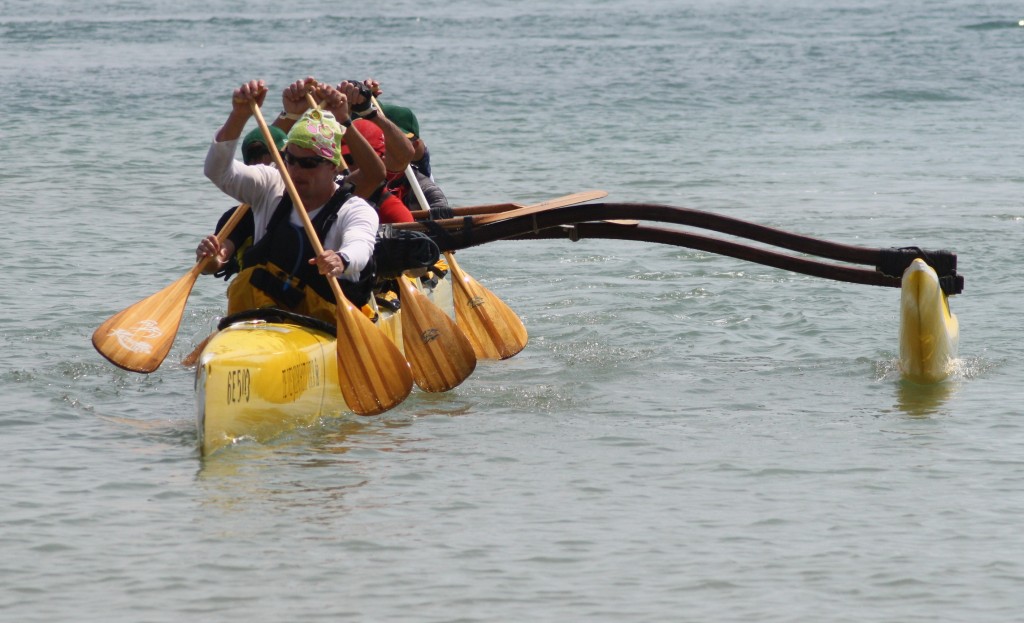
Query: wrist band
(368, 114)
(290, 116)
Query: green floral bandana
(318, 131)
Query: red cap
(373, 135)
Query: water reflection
(314, 468)
(924, 400)
(252, 475)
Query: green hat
(403, 118)
(256, 136)
(318, 131)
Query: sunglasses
(310, 162)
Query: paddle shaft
(229, 227)
(233, 221)
(504, 208)
(489, 208)
(483, 219)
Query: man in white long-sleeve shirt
(281, 268)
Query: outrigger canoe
(268, 371)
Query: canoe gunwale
(277, 315)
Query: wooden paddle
(438, 351)
(494, 330)
(441, 355)
(372, 373)
(192, 358)
(489, 208)
(483, 219)
(447, 359)
(139, 337)
(491, 328)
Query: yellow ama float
(929, 331)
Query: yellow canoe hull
(929, 332)
(257, 380)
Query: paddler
(389, 141)
(254, 151)
(390, 208)
(280, 269)
(398, 182)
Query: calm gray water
(687, 437)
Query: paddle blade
(439, 352)
(372, 373)
(192, 358)
(494, 330)
(139, 337)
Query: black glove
(366, 109)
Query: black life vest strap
(378, 196)
(259, 253)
